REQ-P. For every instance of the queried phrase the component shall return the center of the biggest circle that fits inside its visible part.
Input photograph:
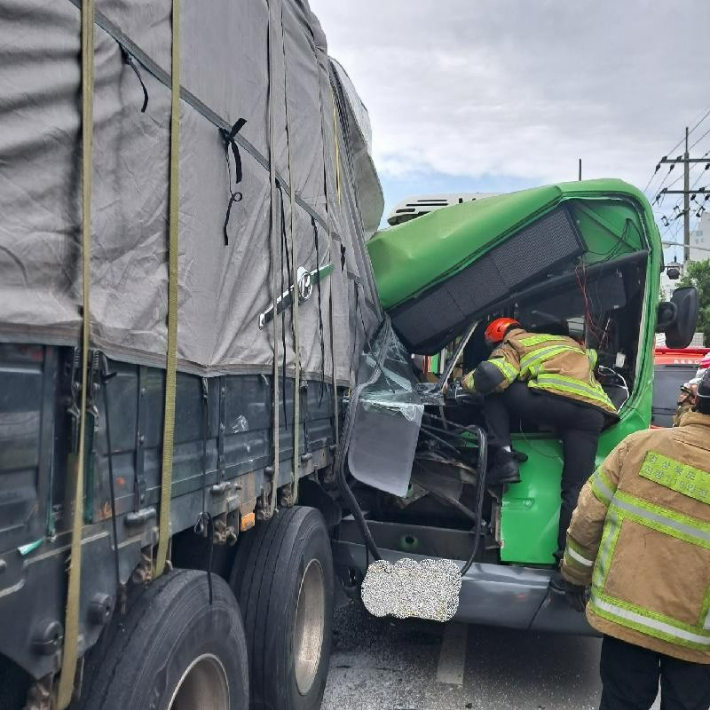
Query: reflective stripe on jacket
(641, 536)
(548, 363)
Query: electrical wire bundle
(600, 334)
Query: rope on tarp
(316, 240)
(70, 649)
(336, 413)
(130, 61)
(337, 146)
(171, 361)
(275, 266)
(287, 252)
(229, 138)
(330, 232)
(294, 283)
(205, 523)
(106, 377)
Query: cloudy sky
(495, 95)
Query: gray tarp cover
(226, 75)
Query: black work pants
(578, 425)
(630, 676)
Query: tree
(697, 274)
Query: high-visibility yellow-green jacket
(548, 363)
(641, 536)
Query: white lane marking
(452, 657)
(657, 704)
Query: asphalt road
(384, 664)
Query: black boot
(558, 583)
(505, 469)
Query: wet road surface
(385, 664)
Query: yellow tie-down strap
(171, 365)
(71, 619)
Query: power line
(705, 115)
(671, 219)
(695, 163)
(677, 145)
(680, 142)
(661, 192)
(689, 194)
(699, 139)
(680, 244)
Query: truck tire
(14, 684)
(172, 651)
(283, 579)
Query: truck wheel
(172, 651)
(283, 579)
(14, 684)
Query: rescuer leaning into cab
(544, 378)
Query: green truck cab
(587, 253)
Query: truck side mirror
(678, 317)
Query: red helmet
(496, 329)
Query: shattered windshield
(387, 416)
(393, 390)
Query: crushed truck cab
(587, 254)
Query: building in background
(700, 239)
(417, 206)
(699, 251)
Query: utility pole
(580, 169)
(686, 201)
(687, 161)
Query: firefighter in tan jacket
(640, 535)
(545, 378)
